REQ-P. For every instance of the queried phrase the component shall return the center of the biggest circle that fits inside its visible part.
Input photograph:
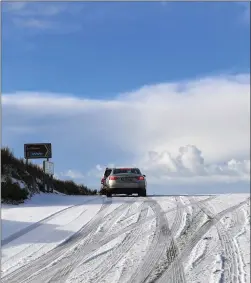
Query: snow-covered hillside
(21, 180)
(57, 238)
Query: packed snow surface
(168, 239)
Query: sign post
(48, 167)
(38, 151)
(49, 171)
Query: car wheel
(109, 194)
(142, 193)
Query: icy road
(165, 239)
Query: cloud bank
(189, 131)
(189, 163)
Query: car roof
(121, 167)
(125, 168)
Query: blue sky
(64, 65)
(100, 49)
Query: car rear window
(126, 170)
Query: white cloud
(34, 23)
(34, 9)
(14, 7)
(187, 167)
(47, 9)
(72, 174)
(189, 164)
(149, 127)
(42, 16)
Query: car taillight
(141, 178)
(113, 178)
(102, 180)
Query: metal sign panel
(48, 167)
(37, 150)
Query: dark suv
(106, 174)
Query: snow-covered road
(171, 239)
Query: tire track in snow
(198, 219)
(23, 273)
(238, 221)
(133, 259)
(133, 209)
(126, 219)
(111, 237)
(156, 249)
(186, 218)
(178, 217)
(157, 246)
(213, 220)
(61, 268)
(62, 274)
(231, 259)
(208, 251)
(60, 250)
(163, 238)
(119, 251)
(201, 254)
(195, 217)
(170, 254)
(173, 249)
(29, 250)
(245, 262)
(35, 266)
(33, 226)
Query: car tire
(103, 192)
(142, 193)
(109, 194)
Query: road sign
(37, 150)
(48, 167)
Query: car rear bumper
(125, 190)
(117, 185)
